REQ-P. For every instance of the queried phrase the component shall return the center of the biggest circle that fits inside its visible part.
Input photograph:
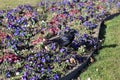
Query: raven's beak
(73, 31)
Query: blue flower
(64, 2)
(92, 26)
(81, 18)
(43, 60)
(38, 54)
(28, 7)
(16, 33)
(110, 1)
(14, 47)
(80, 4)
(42, 69)
(53, 47)
(32, 79)
(118, 5)
(22, 34)
(62, 50)
(8, 37)
(75, 45)
(86, 23)
(12, 41)
(71, 19)
(26, 67)
(90, 42)
(41, 4)
(8, 44)
(56, 77)
(8, 74)
(85, 36)
(47, 57)
(24, 78)
(25, 74)
(89, 25)
(89, 7)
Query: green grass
(13, 3)
(107, 65)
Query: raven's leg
(57, 47)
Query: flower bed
(26, 31)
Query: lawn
(107, 65)
(13, 3)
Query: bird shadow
(109, 46)
(103, 26)
(112, 16)
(101, 37)
(77, 76)
(102, 32)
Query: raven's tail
(47, 42)
(53, 39)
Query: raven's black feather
(63, 40)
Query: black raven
(63, 40)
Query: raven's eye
(42, 32)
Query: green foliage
(81, 50)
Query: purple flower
(62, 50)
(103, 13)
(86, 23)
(14, 47)
(53, 47)
(42, 69)
(32, 79)
(43, 60)
(24, 78)
(89, 7)
(81, 18)
(8, 37)
(75, 45)
(28, 7)
(22, 34)
(41, 4)
(27, 67)
(110, 1)
(38, 54)
(16, 33)
(65, 2)
(80, 4)
(56, 77)
(89, 25)
(47, 58)
(8, 74)
(2, 12)
(85, 36)
(71, 19)
(92, 26)
(48, 69)
(25, 74)
(8, 44)
(118, 5)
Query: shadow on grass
(103, 26)
(109, 46)
(102, 38)
(77, 77)
(112, 16)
